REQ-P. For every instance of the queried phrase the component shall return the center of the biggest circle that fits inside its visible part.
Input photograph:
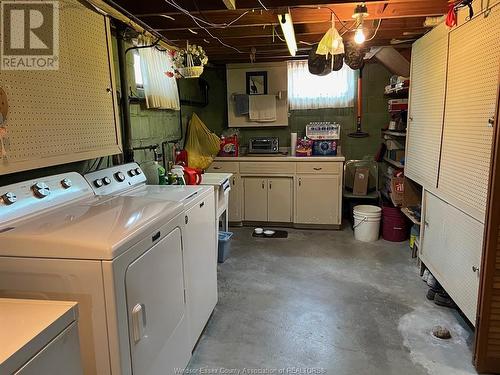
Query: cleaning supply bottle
(161, 174)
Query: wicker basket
(190, 71)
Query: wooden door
(317, 199)
(255, 198)
(487, 338)
(279, 199)
(235, 198)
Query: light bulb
(359, 36)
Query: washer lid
(176, 193)
(99, 228)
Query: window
(137, 70)
(309, 91)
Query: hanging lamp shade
(331, 43)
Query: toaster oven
(263, 145)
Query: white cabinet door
(425, 117)
(255, 198)
(279, 199)
(451, 248)
(200, 256)
(156, 309)
(235, 199)
(471, 99)
(317, 199)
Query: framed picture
(256, 83)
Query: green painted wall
(375, 115)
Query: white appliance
(222, 186)
(120, 258)
(199, 233)
(39, 337)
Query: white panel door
(317, 199)
(156, 309)
(255, 198)
(451, 249)
(425, 116)
(279, 199)
(471, 98)
(200, 256)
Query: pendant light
(360, 13)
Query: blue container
(224, 245)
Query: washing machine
(119, 257)
(199, 233)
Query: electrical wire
(376, 30)
(263, 6)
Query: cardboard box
(361, 176)
(397, 190)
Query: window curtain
(309, 91)
(160, 91)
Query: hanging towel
(262, 108)
(241, 104)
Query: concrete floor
(320, 302)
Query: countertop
(214, 179)
(280, 157)
(27, 326)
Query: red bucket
(394, 224)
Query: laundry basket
(366, 222)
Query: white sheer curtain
(160, 91)
(309, 91)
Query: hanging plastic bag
(201, 145)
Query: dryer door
(156, 309)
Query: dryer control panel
(114, 179)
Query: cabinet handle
(410, 118)
(491, 122)
(300, 182)
(201, 205)
(317, 168)
(270, 185)
(263, 185)
(186, 219)
(234, 181)
(475, 269)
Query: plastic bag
(201, 145)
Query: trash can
(224, 245)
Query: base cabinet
(451, 248)
(305, 193)
(268, 199)
(235, 197)
(317, 199)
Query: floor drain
(441, 333)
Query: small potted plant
(189, 62)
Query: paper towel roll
(293, 143)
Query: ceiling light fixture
(286, 24)
(360, 13)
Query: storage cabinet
(471, 98)
(426, 103)
(451, 248)
(317, 199)
(305, 192)
(268, 199)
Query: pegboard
(471, 98)
(427, 93)
(70, 114)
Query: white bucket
(366, 222)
